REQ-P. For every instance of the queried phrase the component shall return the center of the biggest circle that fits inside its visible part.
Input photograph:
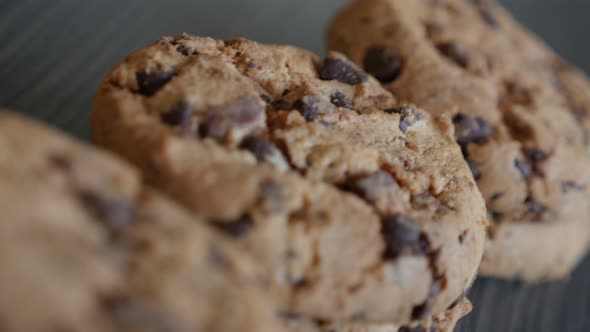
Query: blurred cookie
(84, 247)
(521, 117)
(361, 208)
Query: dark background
(53, 54)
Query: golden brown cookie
(361, 208)
(85, 247)
(521, 117)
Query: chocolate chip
(536, 155)
(342, 71)
(402, 237)
(184, 50)
(234, 228)
(497, 196)
(488, 16)
(301, 283)
(568, 186)
(523, 167)
(307, 107)
(272, 197)
(339, 99)
(408, 116)
(259, 146)
(433, 29)
(281, 105)
(412, 329)
(61, 161)
(518, 94)
(536, 209)
(368, 187)
(421, 311)
(179, 115)
(496, 216)
(471, 129)
(116, 213)
(475, 169)
(150, 82)
(266, 98)
(384, 63)
(455, 52)
(218, 122)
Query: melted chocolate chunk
(234, 228)
(184, 50)
(536, 209)
(475, 169)
(266, 98)
(408, 116)
(384, 63)
(412, 329)
(307, 106)
(536, 155)
(497, 196)
(455, 52)
(151, 82)
(569, 186)
(471, 129)
(339, 99)
(218, 122)
(342, 71)
(115, 213)
(402, 237)
(179, 115)
(496, 216)
(518, 94)
(369, 186)
(523, 167)
(259, 146)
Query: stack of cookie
(272, 190)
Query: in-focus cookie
(84, 247)
(361, 208)
(521, 117)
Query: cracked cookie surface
(361, 208)
(85, 247)
(521, 116)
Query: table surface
(54, 53)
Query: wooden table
(54, 52)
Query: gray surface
(53, 54)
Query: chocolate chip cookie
(85, 247)
(521, 116)
(361, 208)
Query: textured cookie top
(521, 115)
(361, 208)
(85, 248)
